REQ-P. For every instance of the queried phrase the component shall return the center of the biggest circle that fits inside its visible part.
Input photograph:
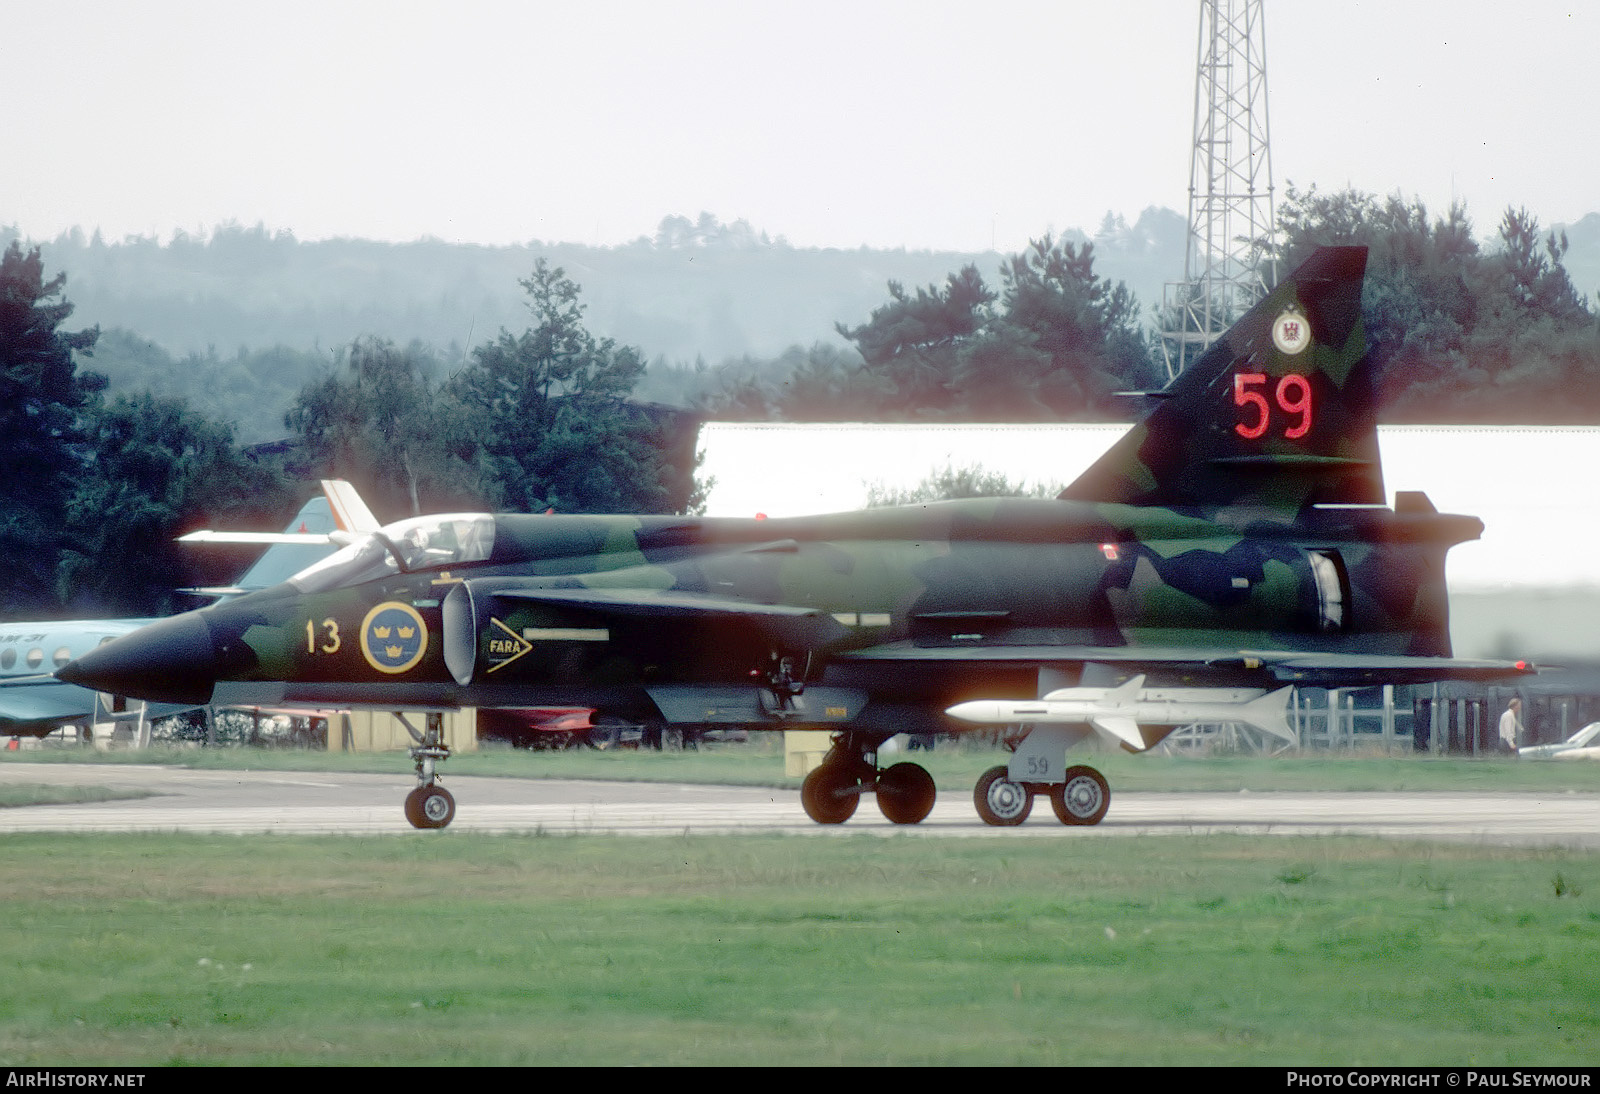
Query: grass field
(460, 948)
(466, 949)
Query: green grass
(759, 762)
(458, 948)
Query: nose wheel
(430, 806)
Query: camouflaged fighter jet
(1237, 539)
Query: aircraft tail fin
(349, 510)
(326, 522)
(1280, 412)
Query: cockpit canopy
(421, 543)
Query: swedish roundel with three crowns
(393, 637)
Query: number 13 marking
(330, 642)
(1292, 395)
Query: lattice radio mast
(1229, 262)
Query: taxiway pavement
(326, 803)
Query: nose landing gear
(429, 805)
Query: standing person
(1511, 726)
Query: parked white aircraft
(1582, 745)
(33, 703)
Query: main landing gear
(832, 791)
(1082, 798)
(1079, 795)
(429, 805)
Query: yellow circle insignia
(393, 637)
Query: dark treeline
(1462, 333)
(1055, 342)
(97, 487)
(239, 321)
(694, 289)
(547, 414)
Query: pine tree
(42, 396)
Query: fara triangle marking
(523, 645)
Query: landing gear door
(1041, 756)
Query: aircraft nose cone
(170, 661)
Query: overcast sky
(925, 124)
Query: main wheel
(905, 793)
(1083, 798)
(1000, 801)
(829, 794)
(430, 806)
